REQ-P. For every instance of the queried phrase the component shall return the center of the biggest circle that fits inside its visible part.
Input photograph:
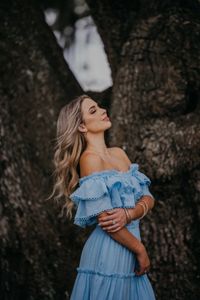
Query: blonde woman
(107, 190)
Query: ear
(82, 128)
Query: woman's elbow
(152, 202)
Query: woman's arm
(118, 215)
(137, 211)
(124, 237)
(127, 239)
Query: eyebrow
(93, 106)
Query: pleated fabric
(107, 269)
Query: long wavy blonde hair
(70, 143)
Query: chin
(109, 124)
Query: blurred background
(83, 49)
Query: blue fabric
(106, 268)
(105, 190)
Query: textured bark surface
(156, 86)
(36, 260)
(114, 20)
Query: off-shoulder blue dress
(106, 268)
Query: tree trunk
(156, 85)
(36, 259)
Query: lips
(106, 118)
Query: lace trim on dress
(82, 220)
(116, 275)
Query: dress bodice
(108, 189)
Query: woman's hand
(143, 261)
(114, 221)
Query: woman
(107, 190)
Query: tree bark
(156, 86)
(36, 259)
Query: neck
(96, 143)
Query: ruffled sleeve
(91, 198)
(105, 190)
(142, 179)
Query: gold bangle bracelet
(126, 214)
(144, 208)
(130, 219)
(147, 207)
(127, 220)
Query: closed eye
(93, 111)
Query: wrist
(131, 213)
(140, 248)
(128, 216)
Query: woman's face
(95, 118)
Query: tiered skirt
(106, 270)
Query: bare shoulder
(119, 152)
(89, 163)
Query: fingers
(142, 271)
(115, 230)
(107, 218)
(114, 215)
(114, 210)
(110, 226)
(108, 223)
